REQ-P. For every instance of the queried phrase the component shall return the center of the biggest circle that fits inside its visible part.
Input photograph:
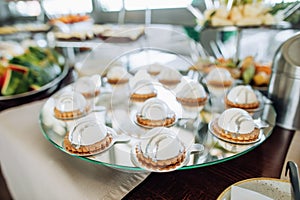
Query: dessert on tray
(235, 125)
(155, 112)
(191, 93)
(141, 86)
(70, 105)
(219, 80)
(89, 87)
(242, 96)
(169, 76)
(161, 152)
(117, 75)
(88, 138)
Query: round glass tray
(114, 107)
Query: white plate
(270, 187)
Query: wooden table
(207, 182)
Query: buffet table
(65, 172)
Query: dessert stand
(114, 107)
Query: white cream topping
(118, 73)
(87, 84)
(71, 101)
(154, 68)
(143, 87)
(219, 75)
(168, 73)
(242, 94)
(140, 75)
(236, 120)
(87, 133)
(164, 145)
(155, 109)
(190, 89)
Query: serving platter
(118, 113)
(49, 87)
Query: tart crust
(243, 106)
(192, 101)
(160, 165)
(117, 81)
(85, 150)
(70, 114)
(235, 137)
(155, 123)
(220, 83)
(142, 97)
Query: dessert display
(141, 86)
(164, 128)
(89, 87)
(242, 96)
(191, 93)
(169, 76)
(74, 35)
(161, 152)
(88, 138)
(235, 125)
(242, 13)
(219, 80)
(70, 105)
(155, 112)
(117, 75)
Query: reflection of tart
(219, 80)
(191, 93)
(154, 113)
(169, 76)
(117, 75)
(88, 86)
(88, 138)
(242, 97)
(142, 91)
(154, 69)
(163, 152)
(235, 125)
(141, 86)
(70, 105)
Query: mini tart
(169, 76)
(235, 137)
(89, 87)
(142, 91)
(191, 93)
(117, 75)
(70, 105)
(219, 77)
(163, 151)
(154, 123)
(159, 165)
(243, 97)
(235, 125)
(154, 113)
(85, 150)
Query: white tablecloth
(35, 169)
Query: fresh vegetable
(30, 71)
